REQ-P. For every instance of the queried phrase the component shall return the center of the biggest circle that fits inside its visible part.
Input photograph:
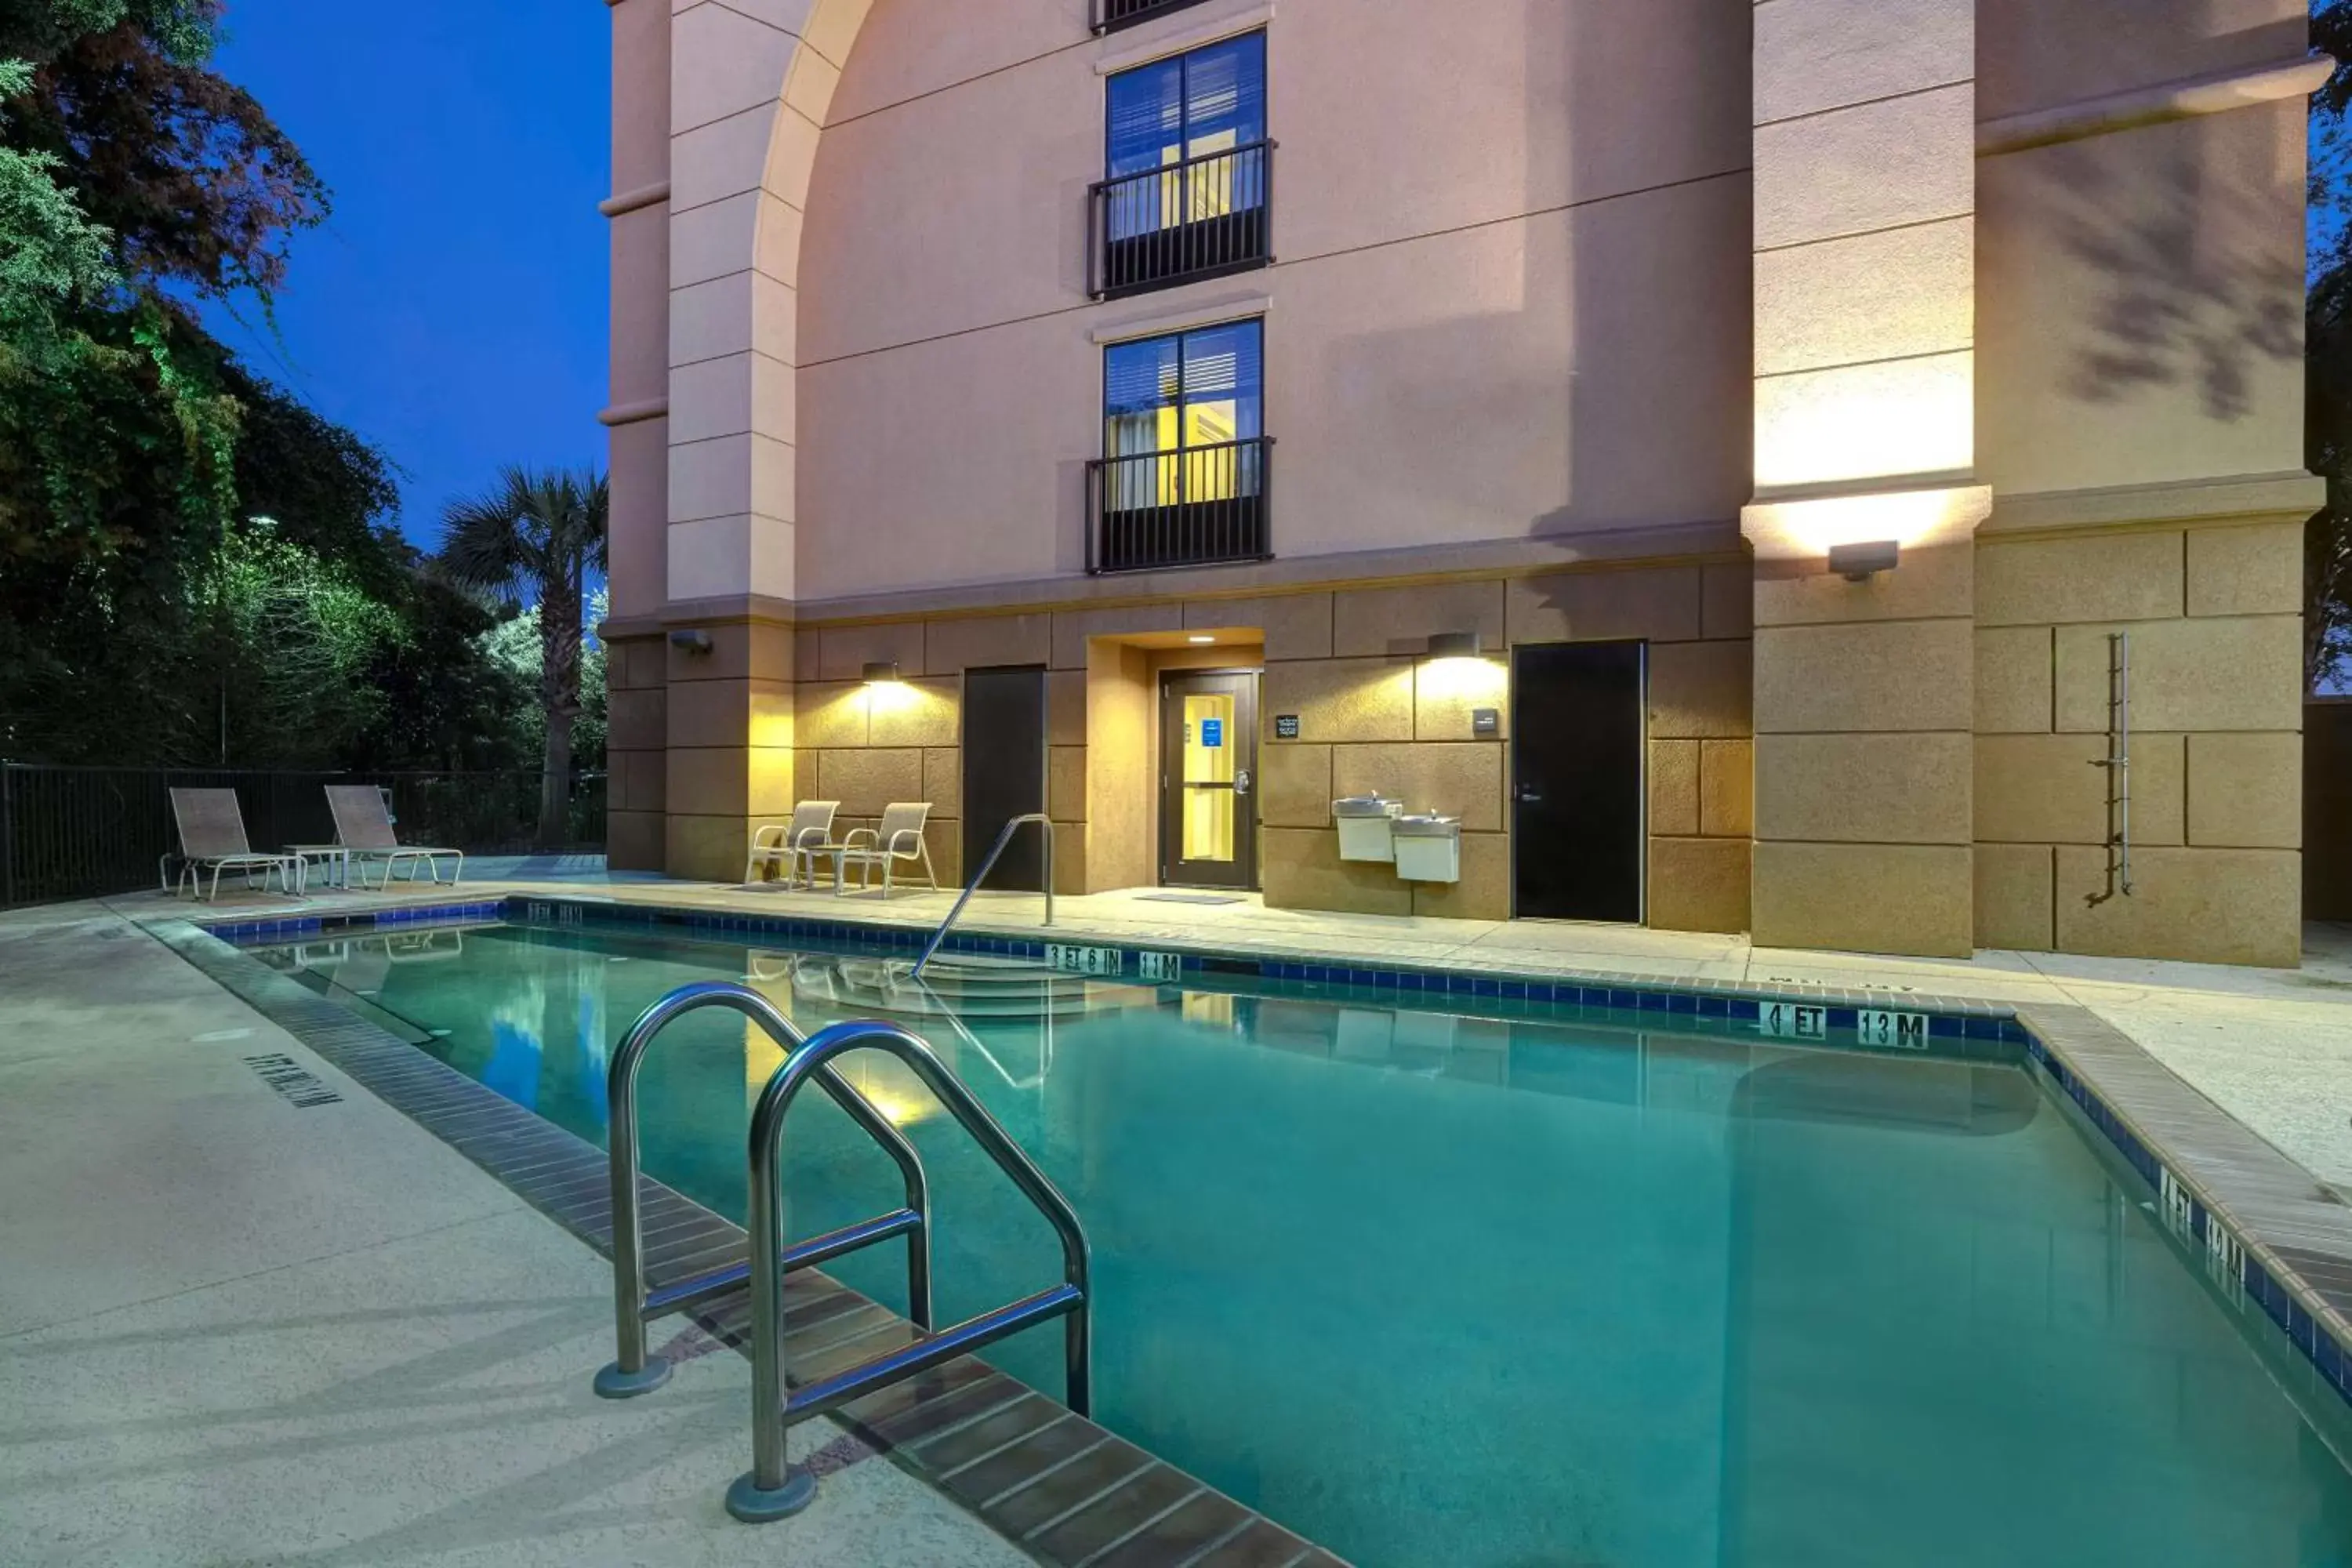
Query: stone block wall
(636, 761)
(729, 726)
(2213, 611)
(1376, 713)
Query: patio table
(334, 863)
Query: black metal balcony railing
(1110, 15)
(1200, 218)
(1196, 506)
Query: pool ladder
(771, 1489)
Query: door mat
(1189, 899)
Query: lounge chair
(212, 837)
(364, 827)
(900, 838)
(811, 825)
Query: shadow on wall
(2197, 293)
(1458, 419)
(2140, 306)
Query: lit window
(1183, 411)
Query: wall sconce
(882, 672)
(1859, 563)
(1454, 644)
(695, 643)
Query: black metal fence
(1194, 506)
(1112, 15)
(1203, 218)
(80, 833)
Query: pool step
(967, 987)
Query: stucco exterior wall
(1561, 287)
(1527, 316)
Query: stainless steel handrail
(771, 1489)
(987, 866)
(633, 1372)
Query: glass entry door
(1208, 766)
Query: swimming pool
(1500, 1285)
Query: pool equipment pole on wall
(2117, 762)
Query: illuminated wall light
(1458, 668)
(1200, 637)
(1808, 529)
(1859, 563)
(882, 672)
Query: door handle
(1242, 782)
(1532, 795)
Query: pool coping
(2275, 1238)
(1065, 1490)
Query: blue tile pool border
(2316, 1316)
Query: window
(1182, 478)
(1189, 170)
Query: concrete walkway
(235, 1330)
(2272, 1047)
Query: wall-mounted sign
(1485, 721)
(1212, 733)
(1286, 726)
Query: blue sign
(1212, 733)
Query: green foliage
(514, 648)
(144, 616)
(535, 538)
(2327, 539)
(299, 639)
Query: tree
(191, 560)
(117, 434)
(534, 539)
(2328, 550)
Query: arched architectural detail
(751, 84)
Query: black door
(1579, 729)
(1208, 768)
(1005, 773)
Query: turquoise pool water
(1501, 1291)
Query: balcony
(1201, 218)
(1110, 15)
(1197, 506)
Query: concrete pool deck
(233, 1330)
(2272, 1047)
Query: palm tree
(535, 537)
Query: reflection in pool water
(1435, 1287)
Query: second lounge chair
(363, 826)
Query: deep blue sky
(452, 311)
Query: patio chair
(363, 826)
(212, 837)
(785, 845)
(900, 838)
